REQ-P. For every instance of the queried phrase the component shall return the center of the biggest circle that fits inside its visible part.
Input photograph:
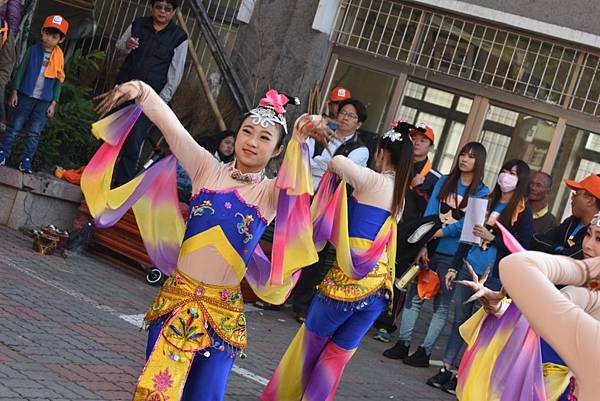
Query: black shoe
(419, 359)
(450, 387)
(439, 380)
(398, 351)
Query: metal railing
(513, 61)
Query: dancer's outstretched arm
(529, 278)
(360, 178)
(196, 160)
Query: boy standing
(37, 87)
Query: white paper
(474, 215)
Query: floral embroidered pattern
(227, 205)
(244, 226)
(186, 330)
(162, 382)
(235, 327)
(353, 289)
(198, 210)
(174, 281)
(159, 304)
(231, 297)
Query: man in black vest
(351, 114)
(157, 50)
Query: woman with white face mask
(507, 206)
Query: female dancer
(358, 287)
(506, 205)
(197, 323)
(448, 200)
(500, 363)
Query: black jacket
(558, 240)
(415, 200)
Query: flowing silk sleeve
(329, 213)
(293, 246)
(152, 194)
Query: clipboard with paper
(474, 215)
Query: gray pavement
(68, 332)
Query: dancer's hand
(315, 127)
(117, 96)
(488, 298)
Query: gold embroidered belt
(339, 286)
(189, 308)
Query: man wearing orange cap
(415, 203)
(36, 90)
(567, 238)
(337, 95)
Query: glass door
(445, 112)
(509, 135)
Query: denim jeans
(29, 117)
(462, 313)
(441, 302)
(126, 168)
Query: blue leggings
(345, 323)
(207, 379)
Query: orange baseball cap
(425, 130)
(57, 22)
(339, 93)
(428, 284)
(590, 183)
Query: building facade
(521, 77)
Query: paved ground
(65, 335)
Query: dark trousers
(309, 280)
(127, 165)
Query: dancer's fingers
(486, 274)
(471, 271)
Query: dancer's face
(591, 242)
(255, 146)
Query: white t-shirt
(38, 89)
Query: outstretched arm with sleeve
(196, 160)
(529, 279)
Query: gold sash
(191, 307)
(338, 286)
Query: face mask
(507, 182)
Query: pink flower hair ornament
(271, 109)
(274, 100)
